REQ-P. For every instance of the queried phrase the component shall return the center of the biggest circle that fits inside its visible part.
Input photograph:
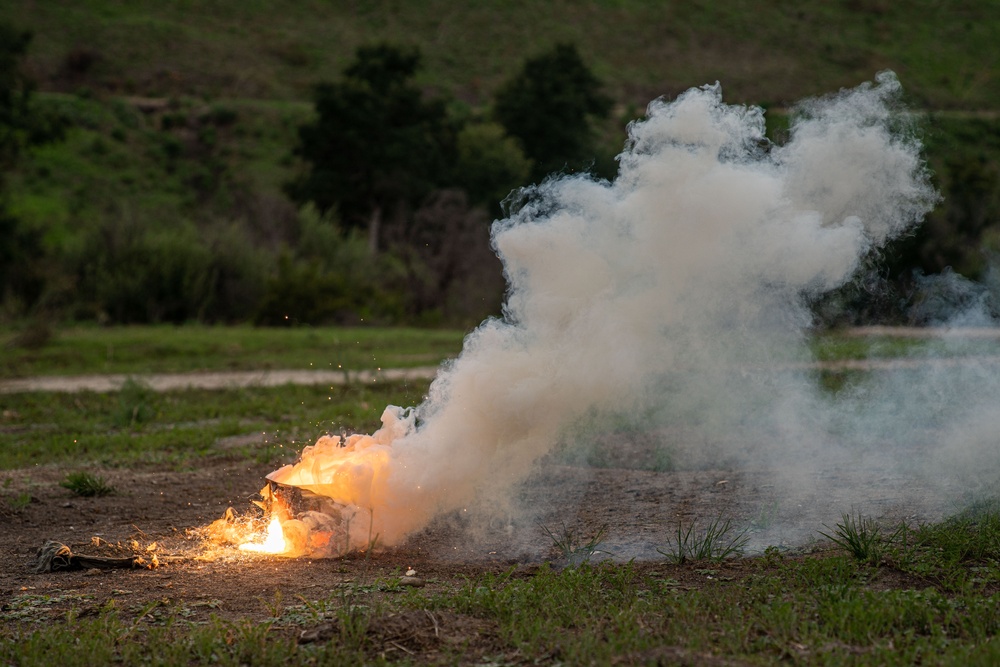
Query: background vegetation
(341, 162)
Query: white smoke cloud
(669, 297)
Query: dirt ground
(639, 509)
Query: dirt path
(211, 380)
(276, 378)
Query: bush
(134, 275)
(136, 405)
(237, 274)
(453, 274)
(304, 292)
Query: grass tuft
(719, 540)
(15, 504)
(572, 547)
(135, 404)
(87, 485)
(862, 538)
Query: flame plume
(274, 541)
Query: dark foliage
(550, 107)
(453, 273)
(21, 126)
(908, 281)
(490, 165)
(15, 93)
(963, 154)
(304, 291)
(377, 146)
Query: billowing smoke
(675, 299)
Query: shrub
(136, 275)
(304, 292)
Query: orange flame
(274, 543)
(354, 473)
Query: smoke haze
(675, 301)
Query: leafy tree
(377, 147)
(21, 126)
(550, 107)
(960, 233)
(490, 164)
(14, 93)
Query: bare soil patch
(157, 511)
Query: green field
(82, 350)
(138, 426)
(78, 350)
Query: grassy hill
(763, 52)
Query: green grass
(13, 502)
(821, 610)
(185, 426)
(838, 346)
(814, 611)
(168, 349)
(137, 425)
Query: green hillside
(166, 198)
(775, 52)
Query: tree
(21, 126)
(490, 164)
(550, 107)
(377, 147)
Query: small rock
(416, 582)
(320, 633)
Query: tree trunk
(374, 225)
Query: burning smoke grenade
(676, 299)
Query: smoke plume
(676, 299)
